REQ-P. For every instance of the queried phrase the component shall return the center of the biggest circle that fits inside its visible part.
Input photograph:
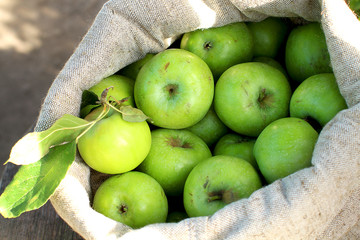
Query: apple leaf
(35, 145)
(131, 114)
(354, 5)
(89, 98)
(33, 184)
(89, 101)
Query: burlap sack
(321, 202)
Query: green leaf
(89, 98)
(132, 114)
(89, 101)
(35, 145)
(355, 6)
(33, 184)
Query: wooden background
(36, 39)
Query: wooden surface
(36, 38)
(42, 224)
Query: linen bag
(320, 202)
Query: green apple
(269, 35)
(122, 87)
(114, 145)
(132, 198)
(236, 145)
(272, 62)
(284, 147)
(220, 47)
(249, 96)
(173, 154)
(132, 70)
(175, 89)
(318, 98)
(306, 52)
(210, 128)
(216, 182)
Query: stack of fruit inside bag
(219, 114)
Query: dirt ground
(36, 39)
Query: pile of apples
(230, 110)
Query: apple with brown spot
(173, 154)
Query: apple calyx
(207, 45)
(226, 196)
(172, 89)
(123, 208)
(177, 142)
(265, 99)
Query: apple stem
(103, 98)
(214, 198)
(264, 98)
(227, 196)
(177, 142)
(262, 95)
